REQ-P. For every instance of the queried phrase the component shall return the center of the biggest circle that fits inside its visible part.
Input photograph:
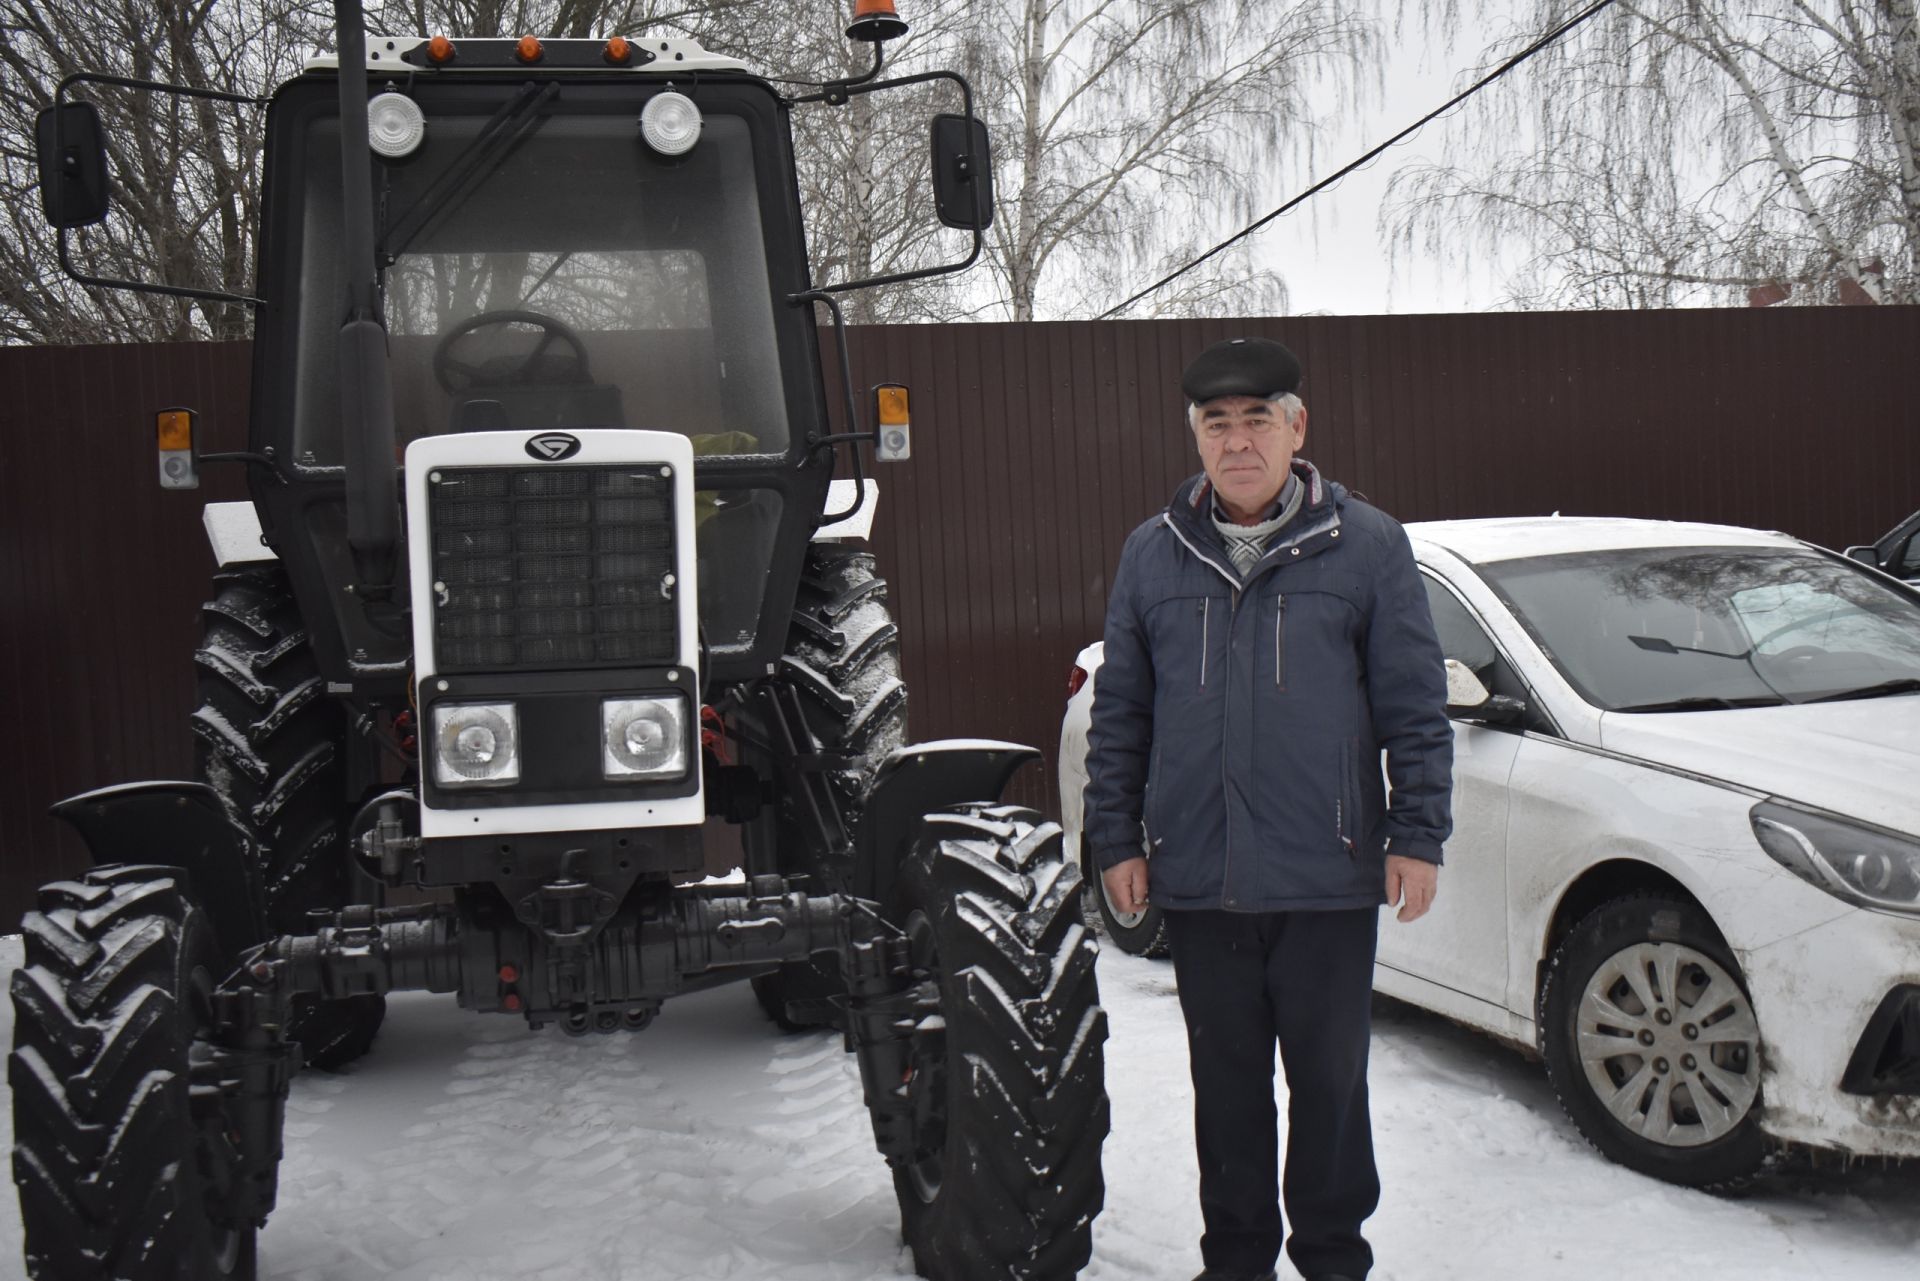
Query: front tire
(1652, 1044)
(110, 1014)
(272, 743)
(1008, 1082)
(843, 659)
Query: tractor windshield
(545, 269)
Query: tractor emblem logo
(553, 446)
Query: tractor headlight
(644, 737)
(395, 125)
(476, 744)
(670, 123)
(1859, 864)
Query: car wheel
(1142, 933)
(1652, 1044)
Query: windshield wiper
(1699, 703)
(1903, 685)
(519, 116)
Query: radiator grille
(552, 568)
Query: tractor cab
(614, 246)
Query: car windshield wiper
(1903, 685)
(518, 117)
(1700, 703)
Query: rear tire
(1008, 1083)
(1652, 1045)
(111, 1161)
(272, 744)
(843, 659)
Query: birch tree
(1686, 153)
(1131, 134)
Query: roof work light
(670, 123)
(395, 125)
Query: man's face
(1246, 445)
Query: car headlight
(476, 744)
(643, 737)
(1859, 864)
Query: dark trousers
(1302, 980)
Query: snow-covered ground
(710, 1145)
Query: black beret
(1241, 367)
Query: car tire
(1142, 933)
(117, 1153)
(1652, 1044)
(1007, 1083)
(272, 744)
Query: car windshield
(553, 272)
(1680, 628)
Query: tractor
(546, 575)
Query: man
(1267, 636)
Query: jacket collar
(1190, 514)
(1192, 501)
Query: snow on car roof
(1509, 538)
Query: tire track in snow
(706, 1146)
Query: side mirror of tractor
(72, 151)
(962, 172)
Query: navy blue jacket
(1244, 721)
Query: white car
(1686, 853)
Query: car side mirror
(72, 150)
(1866, 555)
(962, 172)
(1468, 699)
(1465, 692)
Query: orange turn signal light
(175, 428)
(528, 49)
(439, 50)
(890, 404)
(619, 52)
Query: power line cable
(1518, 58)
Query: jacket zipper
(1340, 801)
(1206, 614)
(1226, 752)
(1279, 646)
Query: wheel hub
(1652, 1008)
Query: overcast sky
(1330, 250)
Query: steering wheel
(461, 376)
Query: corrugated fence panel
(1037, 448)
(101, 576)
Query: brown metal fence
(1036, 448)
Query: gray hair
(1288, 405)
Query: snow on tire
(270, 742)
(1008, 1082)
(843, 659)
(1651, 1042)
(111, 1162)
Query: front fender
(183, 825)
(916, 780)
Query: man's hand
(1127, 885)
(1414, 878)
